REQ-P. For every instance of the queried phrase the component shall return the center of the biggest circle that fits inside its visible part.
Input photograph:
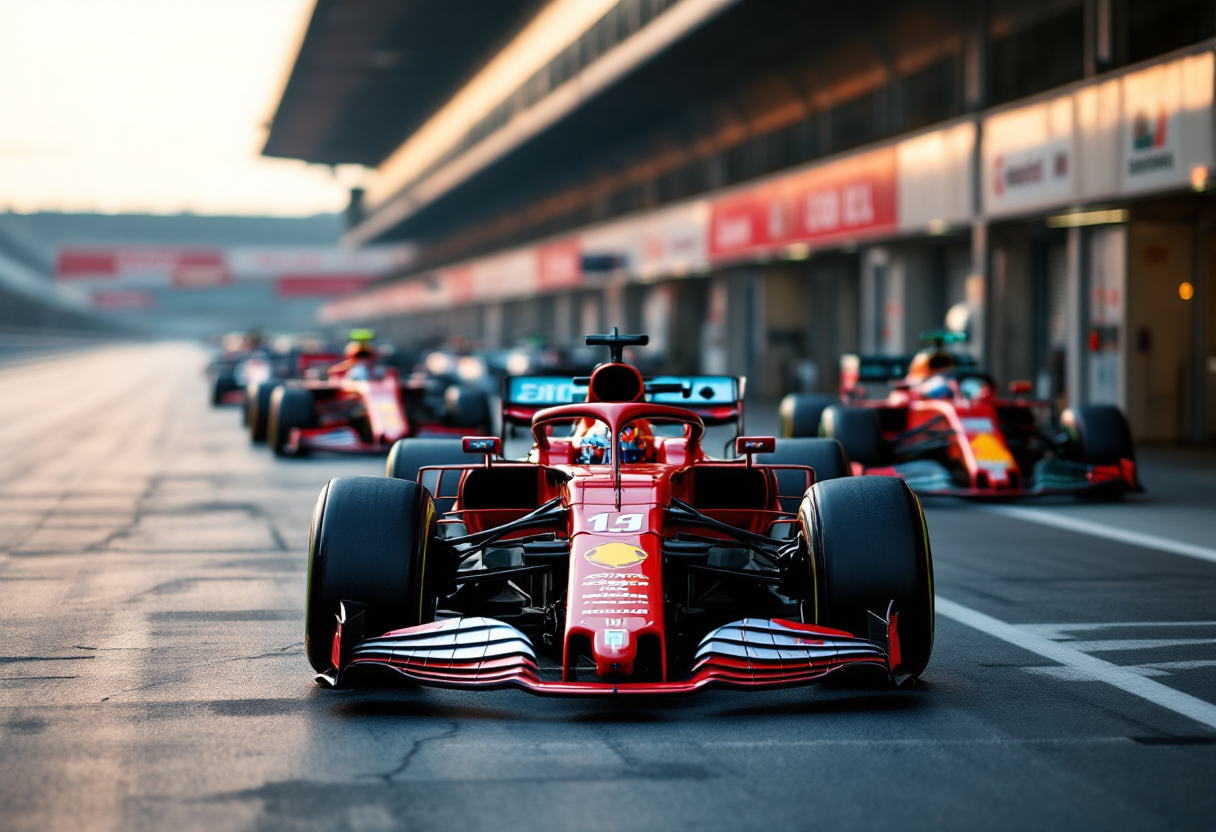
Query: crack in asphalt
(415, 747)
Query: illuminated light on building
(1199, 178)
(1080, 218)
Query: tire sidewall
(869, 545)
(369, 542)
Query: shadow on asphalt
(869, 703)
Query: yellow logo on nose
(987, 448)
(615, 555)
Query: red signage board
(559, 265)
(72, 264)
(319, 285)
(184, 267)
(200, 270)
(124, 299)
(852, 198)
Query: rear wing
(856, 371)
(315, 361)
(717, 400)
(860, 369)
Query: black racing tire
(826, 456)
(467, 407)
(289, 409)
(1097, 435)
(368, 544)
(222, 385)
(800, 413)
(870, 546)
(257, 409)
(408, 455)
(858, 429)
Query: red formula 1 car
(362, 406)
(619, 558)
(944, 429)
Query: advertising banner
(1166, 124)
(1028, 158)
(559, 265)
(319, 286)
(851, 198)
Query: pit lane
(153, 675)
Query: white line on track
(1089, 527)
(1087, 666)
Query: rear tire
(257, 409)
(800, 413)
(408, 455)
(870, 545)
(467, 408)
(1097, 435)
(368, 543)
(858, 429)
(826, 456)
(289, 409)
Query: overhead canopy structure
(369, 72)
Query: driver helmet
(358, 349)
(360, 344)
(593, 447)
(637, 443)
(935, 387)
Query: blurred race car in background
(460, 363)
(618, 557)
(942, 427)
(242, 359)
(361, 405)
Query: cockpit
(636, 443)
(971, 386)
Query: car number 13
(620, 523)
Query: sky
(154, 106)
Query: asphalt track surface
(152, 673)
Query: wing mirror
(749, 445)
(489, 446)
(1020, 387)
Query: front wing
(345, 439)
(1050, 477)
(484, 653)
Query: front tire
(369, 543)
(1097, 434)
(800, 413)
(467, 408)
(221, 386)
(289, 409)
(257, 408)
(869, 545)
(858, 429)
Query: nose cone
(616, 602)
(614, 651)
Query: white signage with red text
(1028, 158)
(1166, 123)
